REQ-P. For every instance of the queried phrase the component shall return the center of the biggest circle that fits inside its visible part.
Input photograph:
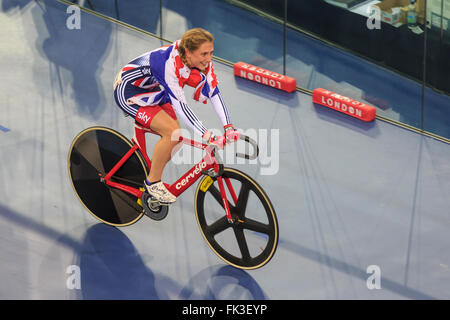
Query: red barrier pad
(265, 77)
(345, 105)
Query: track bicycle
(107, 172)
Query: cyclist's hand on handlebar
(231, 134)
(218, 141)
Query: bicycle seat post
(139, 139)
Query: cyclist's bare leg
(168, 128)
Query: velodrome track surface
(348, 194)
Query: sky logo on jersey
(143, 116)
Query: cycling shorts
(142, 115)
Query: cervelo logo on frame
(198, 168)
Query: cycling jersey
(159, 76)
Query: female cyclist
(150, 87)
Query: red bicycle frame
(182, 184)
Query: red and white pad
(344, 104)
(265, 77)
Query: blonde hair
(192, 40)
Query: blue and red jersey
(159, 76)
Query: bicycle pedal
(155, 203)
(151, 201)
(153, 208)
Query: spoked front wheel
(251, 240)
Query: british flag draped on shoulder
(164, 69)
(207, 86)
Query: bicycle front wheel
(251, 240)
(93, 153)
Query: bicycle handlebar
(240, 155)
(255, 148)
(213, 148)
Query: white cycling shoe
(159, 192)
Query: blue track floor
(348, 195)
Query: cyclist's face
(201, 57)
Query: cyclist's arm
(178, 101)
(220, 108)
(171, 84)
(188, 116)
(206, 87)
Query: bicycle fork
(228, 182)
(224, 197)
(217, 173)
